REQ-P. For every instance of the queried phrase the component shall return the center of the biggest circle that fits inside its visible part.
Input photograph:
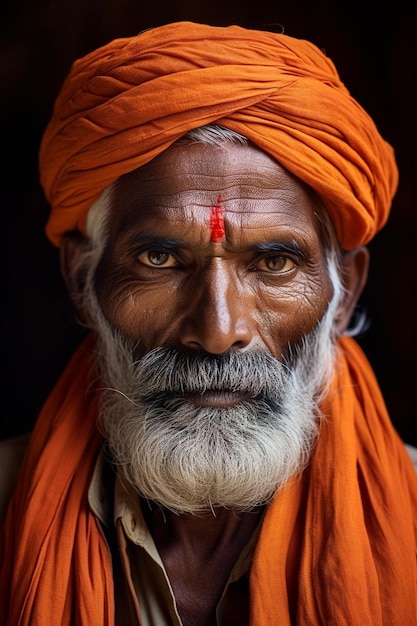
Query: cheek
(286, 316)
(148, 315)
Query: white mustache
(168, 371)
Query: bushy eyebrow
(157, 242)
(292, 247)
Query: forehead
(185, 182)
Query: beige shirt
(151, 598)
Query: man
(217, 450)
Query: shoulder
(412, 451)
(11, 457)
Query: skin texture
(213, 249)
(165, 282)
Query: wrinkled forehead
(204, 165)
(196, 174)
(233, 183)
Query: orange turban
(126, 102)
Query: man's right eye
(157, 258)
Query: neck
(199, 553)
(218, 530)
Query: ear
(72, 245)
(355, 266)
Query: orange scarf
(337, 547)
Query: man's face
(214, 249)
(216, 338)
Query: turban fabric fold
(126, 102)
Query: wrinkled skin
(163, 280)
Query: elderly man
(217, 451)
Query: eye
(276, 263)
(157, 258)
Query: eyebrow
(292, 247)
(170, 244)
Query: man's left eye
(276, 263)
(157, 258)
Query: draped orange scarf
(337, 546)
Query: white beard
(191, 458)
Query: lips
(216, 398)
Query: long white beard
(191, 458)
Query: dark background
(373, 47)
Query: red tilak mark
(217, 222)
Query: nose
(217, 314)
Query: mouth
(215, 398)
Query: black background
(373, 47)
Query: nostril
(214, 340)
